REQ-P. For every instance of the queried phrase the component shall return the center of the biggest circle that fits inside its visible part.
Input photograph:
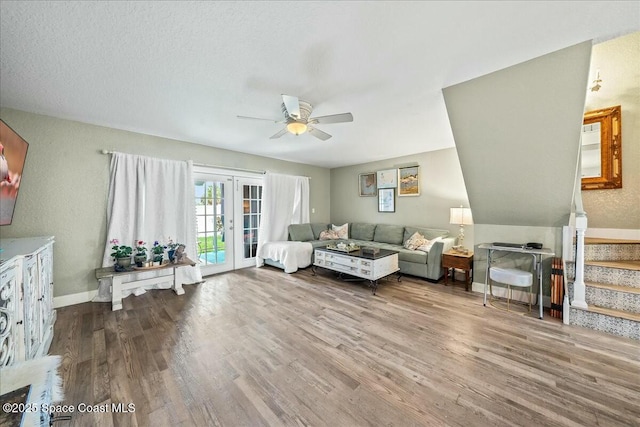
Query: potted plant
(121, 255)
(141, 253)
(172, 246)
(158, 252)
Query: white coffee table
(358, 265)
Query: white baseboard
(74, 299)
(501, 292)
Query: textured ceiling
(185, 70)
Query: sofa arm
(434, 257)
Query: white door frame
(227, 206)
(239, 216)
(234, 236)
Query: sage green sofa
(427, 265)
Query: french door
(228, 212)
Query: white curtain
(285, 200)
(150, 199)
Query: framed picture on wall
(387, 178)
(409, 181)
(386, 200)
(367, 184)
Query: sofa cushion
(389, 234)
(407, 255)
(342, 230)
(319, 227)
(301, 232)
(362, 231)
(428, 233)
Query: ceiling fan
(296, 116)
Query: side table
(453, 260)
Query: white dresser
(26, 299)
(368, 267)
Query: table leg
(374, 286)
(446, 276)
(116, 293)
(486, 278)
(466, 280)
(177, 281)
(539, 270)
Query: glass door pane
(215, 238)
(250, 208)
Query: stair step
(626, 265)
(603, 241)
(613, 297)
(616, 322)
(612, 312)
(611, 249)
(603, 272)
(617, 288)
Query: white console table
(537, 255)
(127, 280)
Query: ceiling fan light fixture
(296, 128)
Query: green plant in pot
(141, 253)
(172, 246)
(121, 255)
(158, 251)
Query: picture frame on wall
(367, 185)
(12, 159)
(386, 200)
(409, 181)
(387, 178)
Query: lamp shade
(460, 216)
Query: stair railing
(579, 288)
(577, 225)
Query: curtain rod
(230, 168)
(210, 166)
(213, 166)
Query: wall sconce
(596, 83)
(461, 216)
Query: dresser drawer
(452, 261)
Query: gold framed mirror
(601, 151)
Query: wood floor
(261, 347)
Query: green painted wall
(517, 132)
(63, 191)
(441, 187)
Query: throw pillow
(428, 244)
(328, 235)
(342, 230)
(415, 241)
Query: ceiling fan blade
(318, 133)
(260, 118)
(293, 106)
(279, 134)
(334, 118)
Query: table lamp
(461, 216)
